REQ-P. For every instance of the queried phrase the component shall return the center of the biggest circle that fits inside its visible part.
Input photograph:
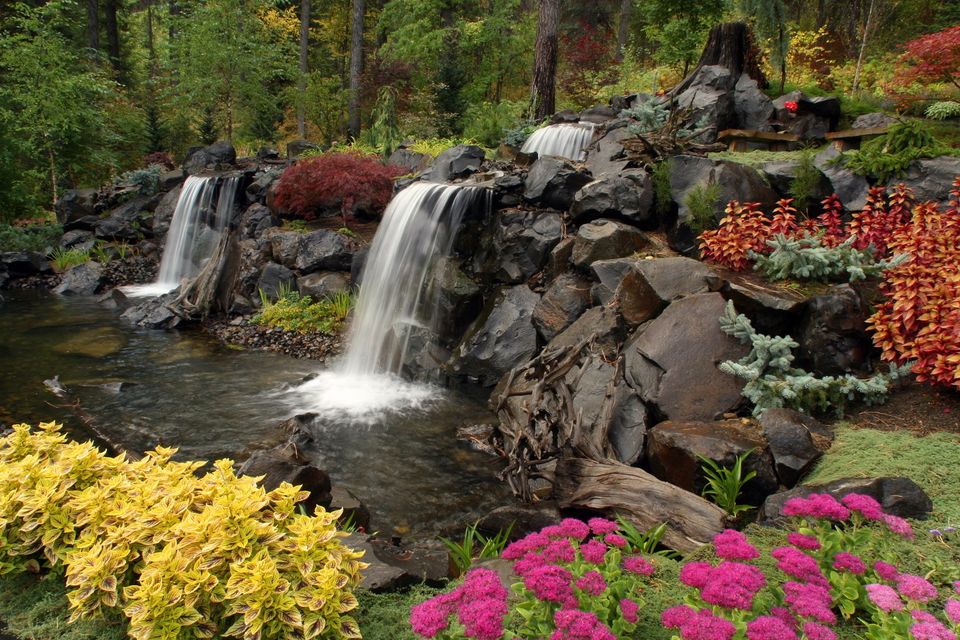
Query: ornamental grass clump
(576, 580)
(182, 556)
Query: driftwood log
(672, 139)
(72, 402)
(212, 290)
(639, 497)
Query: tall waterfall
(194, 232)
(419, 225)
(565, 140)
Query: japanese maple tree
(931, 59)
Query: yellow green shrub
(182, 556)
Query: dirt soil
(915, 407)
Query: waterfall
(194, 232)
(419, 225)
(568, 141)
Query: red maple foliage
(345, 183)
(931, 58)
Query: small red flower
(791, 106)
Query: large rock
(710, 97)
(20, 264)
(675, 277)
(75, 204)
(606, 154)
(628, 195)
(500, 339)
(325, 250)
(219, 155)
(77, 239)
(255, 220)
(82, 280)
(672, 361)
(458, 299)
(605, 240)
(851, 188)
(412, 161)
(898, 496)
(833, 337)
(675, 449)
(154, 313)
(163, 213)
(932, 179)
(284, 464)
(456, 162)
(260, 185)
(521, 518)
(554, 182)
(521, 242)
(814, 118)
(790, 436)
(604, 325)
(781, 174)
(323, 284)
(129, 221)
(274, 278)
(564, 300)
(873, 121)
(753, 107)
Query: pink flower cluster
(572, 624)
(480, 603)
(733, 545)
(697, 625)
(816, 505)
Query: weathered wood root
(72, 402)
(211, 291)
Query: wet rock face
(567, 297)
(456, 162)
(628, 195)
(554, 182)
(790, 436)
(307, 252)
(82, 280)
(675, 449)
(520, 245)
(833, 337)
(672, 361)
(605, 240)
(500, 339)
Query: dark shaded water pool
(186, 390)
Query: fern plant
(724, 484)
(702, 201)
(773, 382)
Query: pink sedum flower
(573, 528)
(952, 609)
(733, 585)
(931, 631)
(865, 505)
(592, 582)
(817, 505)
(559, 551)
(812, 601)
(798, 565)
(593, 551)
(769, 628)
(615, 540)
(733, 545)
(638, 565)
(695, 574)
(630, 610)
(801, 541)
(885, 571)
(899, 526)
(884, 597)
(915, 588)
(849, 563)
(573, 624)
(815, 631)
(602, 526)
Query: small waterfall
(568, 141)
(194, 232)
(419, 225)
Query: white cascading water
(194, 233)
(419, 225)
(568, 141)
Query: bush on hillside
(332, 183)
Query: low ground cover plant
(303, 314)
(837, 572)
(915, 246)
(180, 555)
(33, 237)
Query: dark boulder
(130, 221)
(675, 277)
(899, 496)
(357, 264)
(554, 182)
(284, 464)
(296, 148)
(672, 361)
(323, 284)
(163, 212)
(604, 325)
(82, 280)
(598, 114)
(873, 120)
(565, 299)
(77, 239)
(814, 117)
(521, 242)
(257, 190)
(558, 261)
(255, 220)
(605, 240)
(316, 251)
(752, 106)
(458, 299)
(606, 154)
(628, 195)
(154, 313)
(782, 173)
(219, 155)
(932, 178)
(710, 98)
(851, 188)
(75, 204)
(456, 162)
(675, 449)
(521, 518)
(274, 278)
(170, 180)
(500, 339)
(791, 437)
(412, 161)
(21, 264)
(772, 307)
(833, 335)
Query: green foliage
(889, 155)
(293, 312)
(773, 382)
(62, 259)
(384, 134)
(769, 19)
(724, 485)
(435, 146)
(678, 29)
(475, 546)
(385, 616)
(805, 185)
(36, 237)
(649, 116)
(183, 556)
(487, 123)
(146, 180)
(756, 157)
(806, 258)
(300, 226)
(702, 202)
(516, 136)
(662, 193)
(326, 106)
(944, 110)
(645, 542)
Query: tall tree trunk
(302, 81)
(356, 66)
(623, 32)
(728, 45)
(863, 47)
(93, 24)
(113, 37)
(543, 86)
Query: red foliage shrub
(931, 58)
(919, 320)
(162, 158)
(340, 182)
(587, 61)
(744, 228)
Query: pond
(185, 389)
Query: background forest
(91, 89)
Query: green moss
(385, 616)
(37, 608)
(757, 157)
(931, 461)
